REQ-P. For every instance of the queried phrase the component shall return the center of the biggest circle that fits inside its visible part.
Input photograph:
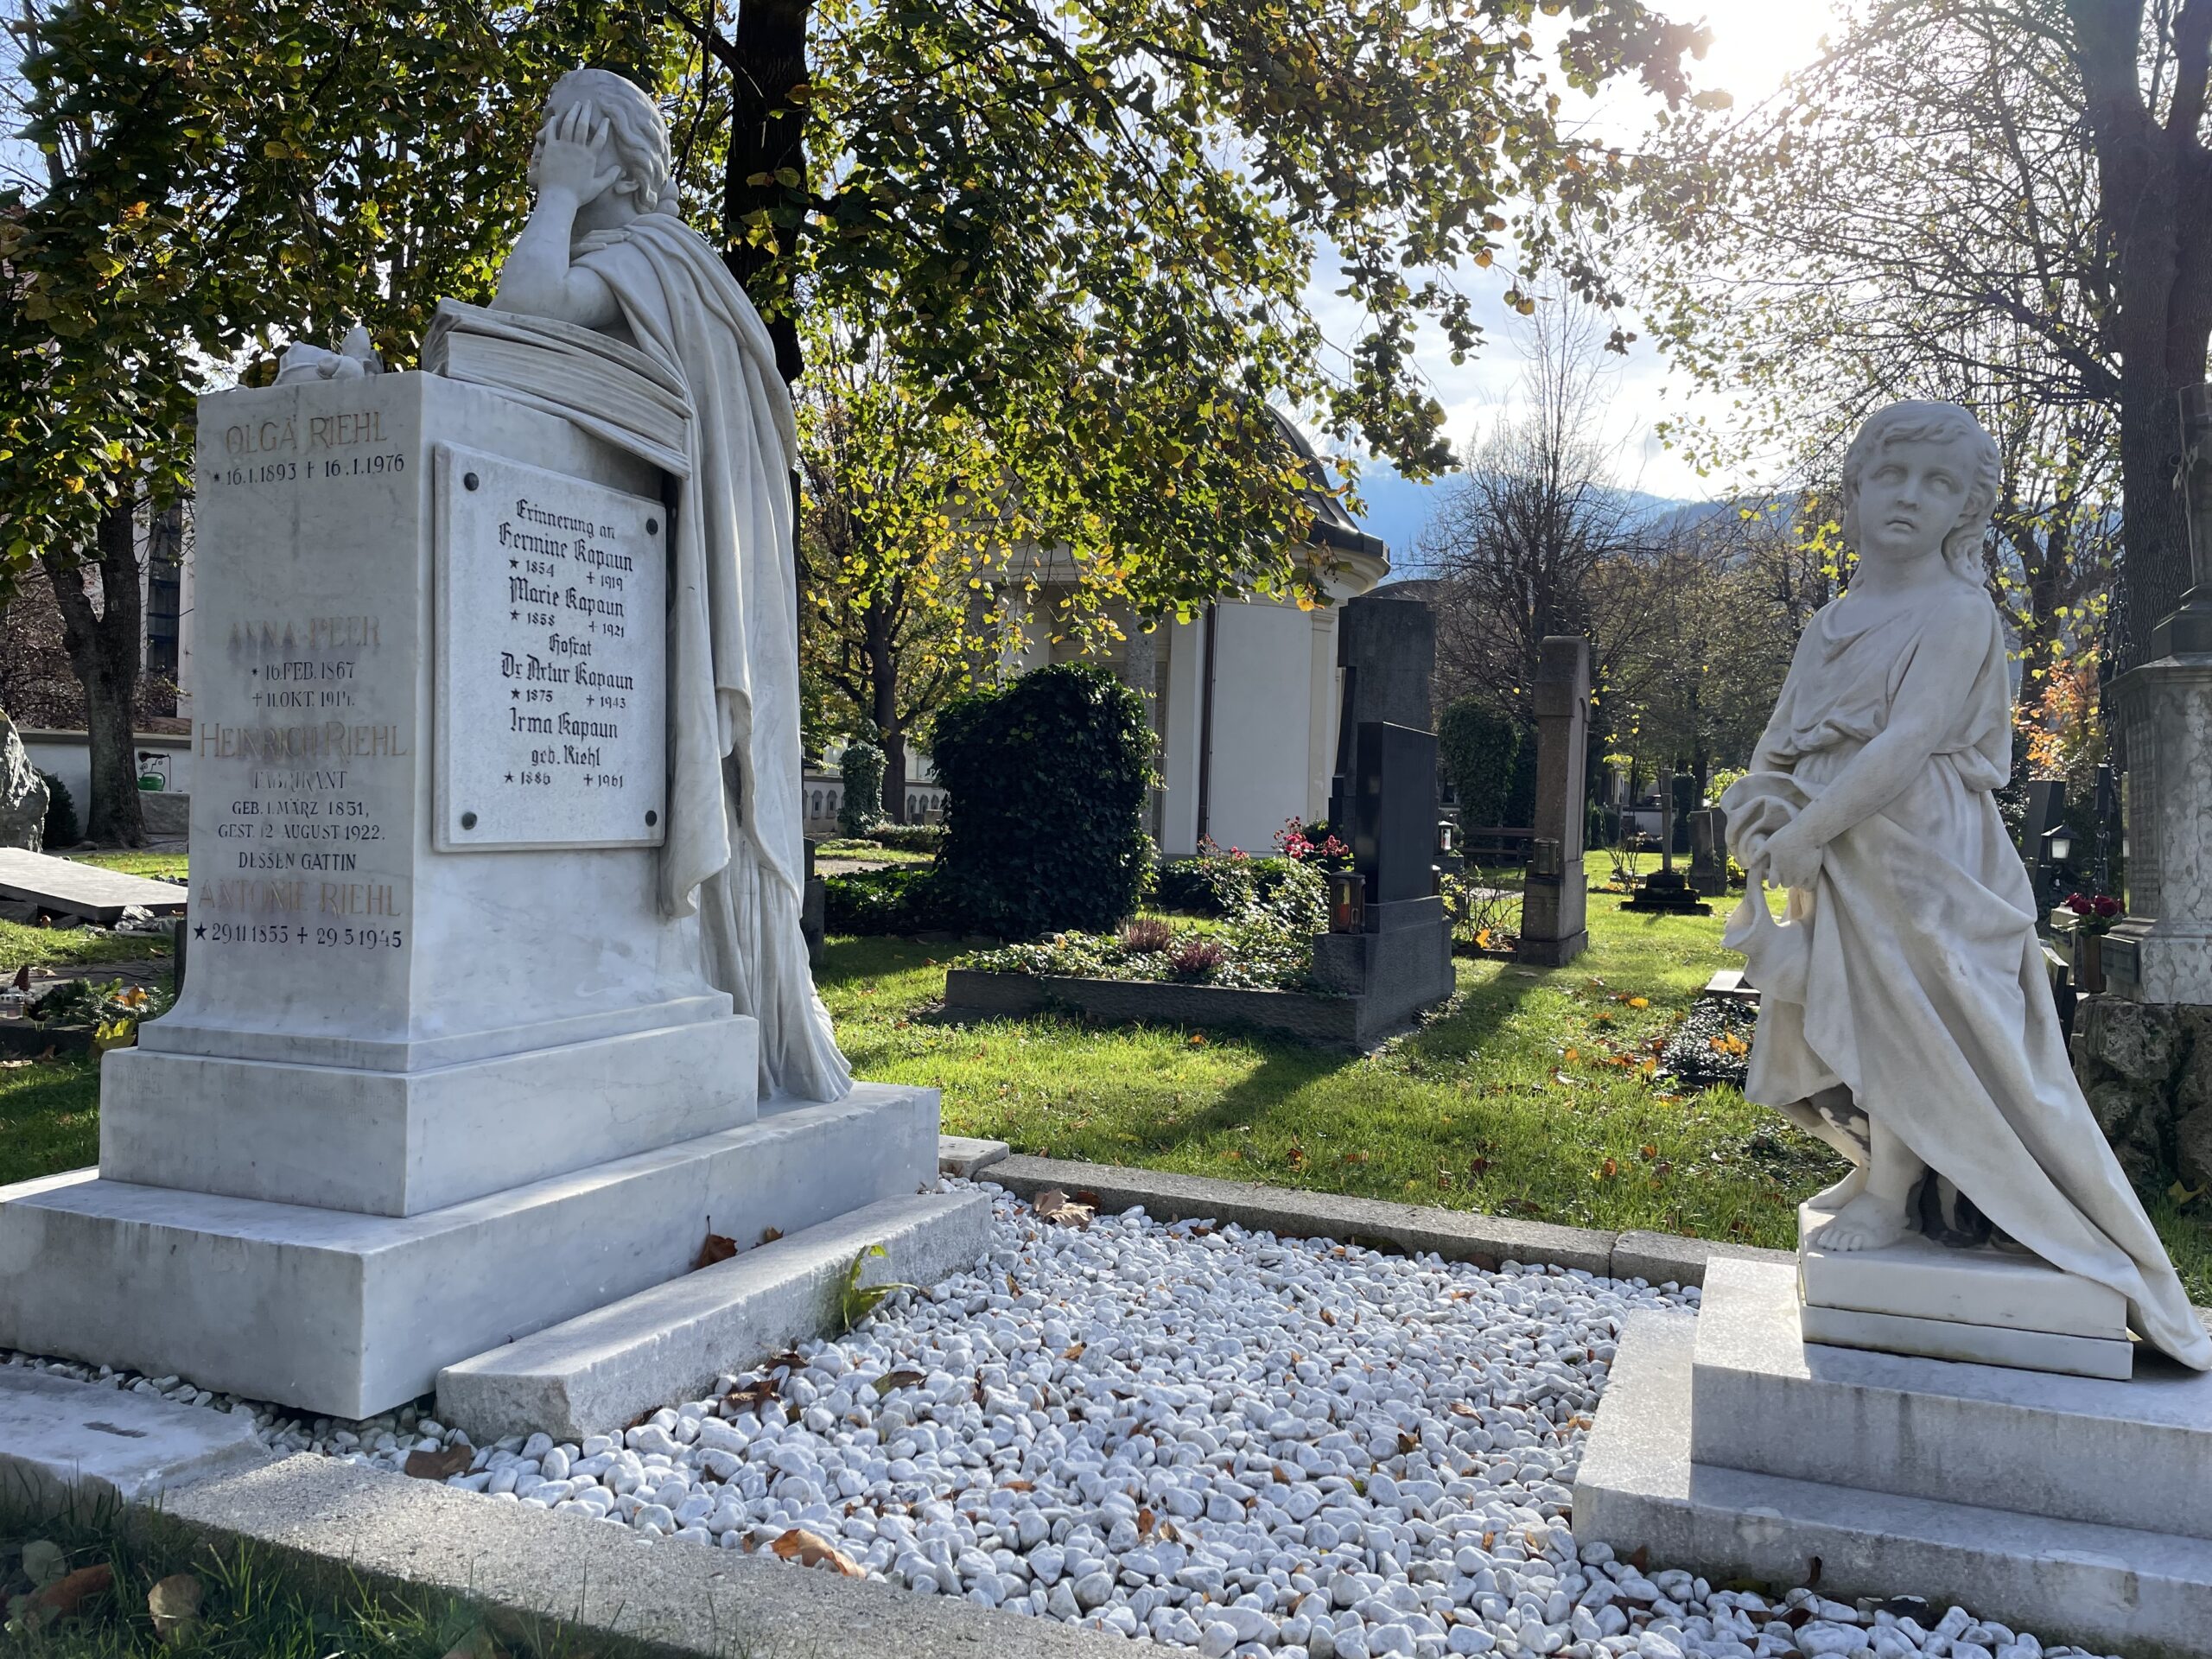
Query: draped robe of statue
(1907, 984)
(735, 846)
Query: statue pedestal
(442, 1073)
(1727, 1445)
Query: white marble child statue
(1904, 1015)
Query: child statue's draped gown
(1909, 976)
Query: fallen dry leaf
(891, 1381)
(769, 1235)
(175, 1604)
(809, 1549)
(719, 1247)
(442, 1464)
(62, 1596)
(1052, 1205)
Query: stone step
(69, 1443)
(596, 1373)
(2132, 1453)
(2109, 1589)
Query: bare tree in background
(1517, 540)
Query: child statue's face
(1911, 496)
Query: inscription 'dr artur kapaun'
(551, 655)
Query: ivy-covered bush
(902, 899)
(1480, 749)
(1046, 779)
(860, 809)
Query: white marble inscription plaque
(551, 659)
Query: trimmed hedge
(62, 828)
(1045, 779)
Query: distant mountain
(1397, 509)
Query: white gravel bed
(1203, 1438)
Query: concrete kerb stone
(324, 1517)
(1455, 1235)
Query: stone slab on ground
(965, 1156)
(684, 1597)
(1458, 1235)
(1727, 985)
(599, 1372)
(70, 888)
(2110, 1589)
(63, 1441)
(346, 1315)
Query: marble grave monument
(499, 1001)
(1982, 1382)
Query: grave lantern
(1347, 902)
(2058, 844)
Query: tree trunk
(104, 648)
(879, 628)
(767, 134)
(2150, 183)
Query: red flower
(2106, 905)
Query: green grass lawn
(251, 1604)
(1529, 1096)
(132, 863)
(61, 947)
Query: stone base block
(1395, 971)
(2108, 1588)
(64, 1443)
(403, 1143)
(596, 1374)
(1988, 1307)
(1976, 1345)
(2124, 1454)
(348, 1314)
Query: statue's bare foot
(1867, 1223)
(1834, 1197)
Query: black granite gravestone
(1386, 648)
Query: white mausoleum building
(1245, 696)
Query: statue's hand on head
(572, 157)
